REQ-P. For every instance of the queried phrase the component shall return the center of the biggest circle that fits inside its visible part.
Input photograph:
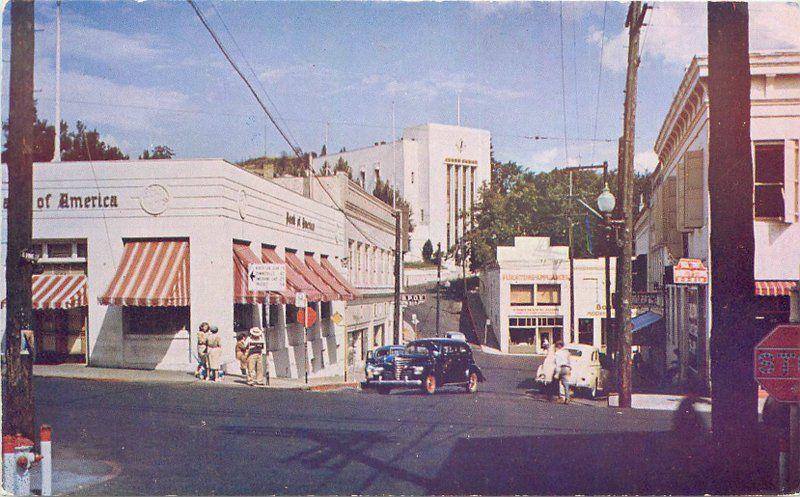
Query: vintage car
(456, 335)
(376, 360)
(429, 364)
(588, 373)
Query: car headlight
(418, 369)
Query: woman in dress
(214, 343)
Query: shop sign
(65, 200)
(536, 277)
(266, 277)
(299, 221)
(532, 311)
(690, 272)
(413, 298)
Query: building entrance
(528, 335)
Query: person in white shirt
(563, 368)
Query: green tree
(427, 251)
(341, 165)
(324, 150)
(159, 152)
(81, 144)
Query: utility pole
(730, 183)
(571, 268)
(634, 22)
(438, 282)
(57, 141)
(398, 217)
(18, 388)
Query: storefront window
(154, 320)
(82, 249)
(769, 172)
(548, 294)
(291, 314)
(59, 250)
(521, 294)
(586, 330)
(325, 310)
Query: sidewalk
(72, 473)
(81, 372)
(668, 402)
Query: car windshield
(419, 348)
(575, 352)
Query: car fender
(475, 369)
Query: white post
(9, 443)
(57, 142)
(46, 450)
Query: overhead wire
(563, 84)
(599, 79)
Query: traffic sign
(336, 318)
(312, 317)
(300, 299)
(413, 298)
(777, 363)
(266, 277)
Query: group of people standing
(250, 348)
(556, 371)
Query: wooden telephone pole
(730, 189)
(398, 250)
(634, 23)
(18, 388)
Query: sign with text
(413, 298)
(300, 299)
(266, 277)
(777, 363)
(690, 272)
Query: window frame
(547, 304)
(769, 184)
(530, 286)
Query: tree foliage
(341, 165)
(524, 203)
(427, 251)
(384, 192)
(158, 152)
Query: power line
(243, 77)
(563, 84)
(646, 31)
(599, 78)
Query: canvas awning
(647, 328)
(242, 258)
(57, 291)
(326, 264)
(294, 280)
(327, 292)
(151, 273)
(325, 275)
(774, 288)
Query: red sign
(777, 363)
(690, 272)
(301, 316)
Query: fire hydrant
(18, 458)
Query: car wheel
(429, 384)
(472, 384)
(593, 390)
(384, 390)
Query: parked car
(588, 371)
(429, 364)
(376, 360)
(456, 335)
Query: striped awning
(774, 288)
(294, 280)
(242, 258)
(326, 264)
(327, 292)
(325, 275)
(152, 273)
(57, 291)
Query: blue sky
(147, 73)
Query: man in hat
(255, 350)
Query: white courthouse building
(675, 224)
(136, 254)
(526, 295)
(439, 170)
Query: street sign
(414, 319)
(266, 277)
(300, 300)
(336, 318)
(301, 317)
(777, 363)
(413, 298)
(690, 272)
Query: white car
(456, 335)
(587, 372)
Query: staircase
(475, 316)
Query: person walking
(547, 374)
(255, 351)
(214, 343)
(241, 352)
(563, 368)
(202, 352)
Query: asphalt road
(197, 438)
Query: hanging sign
(690, 272)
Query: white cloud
(645, 161)
(580, 153)
(275, 75)
(437, 85)
(676, 32)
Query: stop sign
(777, 363)
(301, 316)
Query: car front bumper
(377, 382)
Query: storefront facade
(526, 294)
(165, 246)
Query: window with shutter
(769, 180)
(693, 198)
(681, 194)
(791, 180)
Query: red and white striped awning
(57, 291)
(151, 273)
(774, 288)
(326, 264)
(324, 274)
(328, 294)
(242, 258)
(294, 280)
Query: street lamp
(606, 201)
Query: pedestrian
(202, 352)
(214, 343)
(547, 372)
(563, 368)
(255, 351)
(241, 352)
